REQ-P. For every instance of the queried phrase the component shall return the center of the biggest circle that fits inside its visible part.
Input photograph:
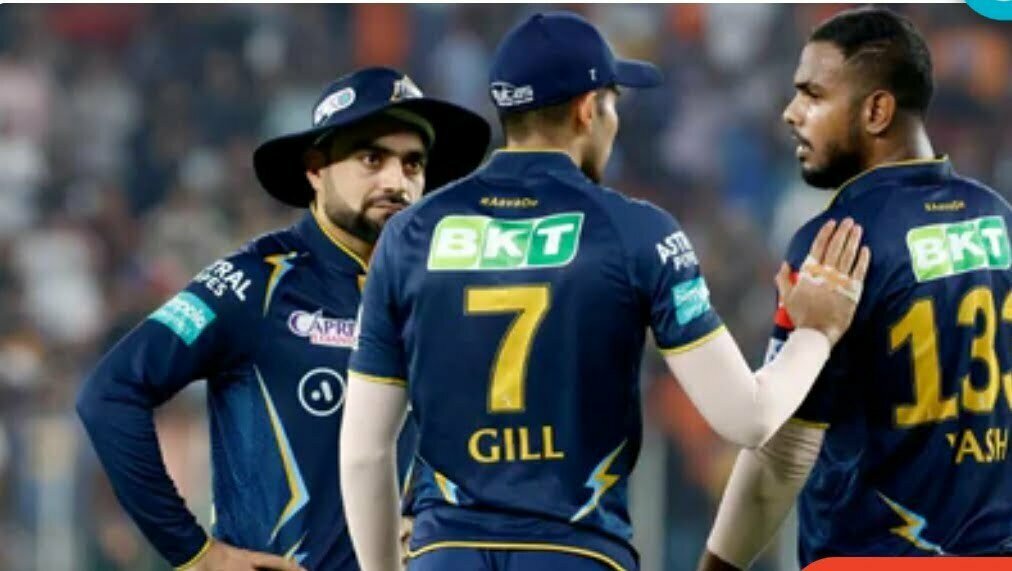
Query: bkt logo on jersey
(484, 243)
(942, 250)
(322, 330)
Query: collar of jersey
(329, 249)
(518, 162)
(916, 172)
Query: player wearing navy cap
(511, 308)
(271, 328)
(907, 427)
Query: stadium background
(125, 141)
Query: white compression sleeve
(760, 492)
(743, 407)
(373, 415)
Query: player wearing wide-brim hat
(456, 138)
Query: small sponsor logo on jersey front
(484, 243)
(942, 250)
(677, 249)
(321, 391)
(186, 315)
(322, 330)
(691, 299)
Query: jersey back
(917, 397)
(521, 298)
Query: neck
(544, 143)
(911, 144)
(341, 237)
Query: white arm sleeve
(760, 492)
(373, 415)
(743, 407)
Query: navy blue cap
(456, 138)
(552, 57)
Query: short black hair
(889, 51)
(522, 124)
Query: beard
(357, 223)
(843, 161)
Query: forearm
(744, 407)
(760, 492)
(372, 418)
(123, 434)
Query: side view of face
(602, 130)
(368, 182)
(824, 117)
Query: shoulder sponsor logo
(484, 243)
(322, 330)
(222, 276)
(337, 101)
(678, 250)
(186, 315)
(509, 95)
(691, 299)
(943, 250)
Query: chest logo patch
(473, 243)
(321, 391)
(322, 330)
(943, 250)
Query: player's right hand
(224, 557)
(830, 281)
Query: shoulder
(242, 276)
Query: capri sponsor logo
(472, 243)
(942, 250)
(322, 330)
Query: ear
(314, 160)
(585, 107)
(879, 112)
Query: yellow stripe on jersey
(503, 546)
(200, 555)
(692, 345)
(376, 379)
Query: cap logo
(593, 74)
(508, 95)
(337, 101)
(404, 88)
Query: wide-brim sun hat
(457, 138)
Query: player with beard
(903, 442)
(271, 328)
(511, 308)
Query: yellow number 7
(530, 303)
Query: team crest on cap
(337, 101)
(509, 95)
(404, 88)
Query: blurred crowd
(126, 136)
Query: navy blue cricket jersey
(917, 396)
(271, 328)
(515, 305)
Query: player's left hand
(830, 282)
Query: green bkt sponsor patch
(692, 299)
(186, 315)
(483, 243)
(942, 250)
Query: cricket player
(903, 442)
(511, 309)
(271, 328)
